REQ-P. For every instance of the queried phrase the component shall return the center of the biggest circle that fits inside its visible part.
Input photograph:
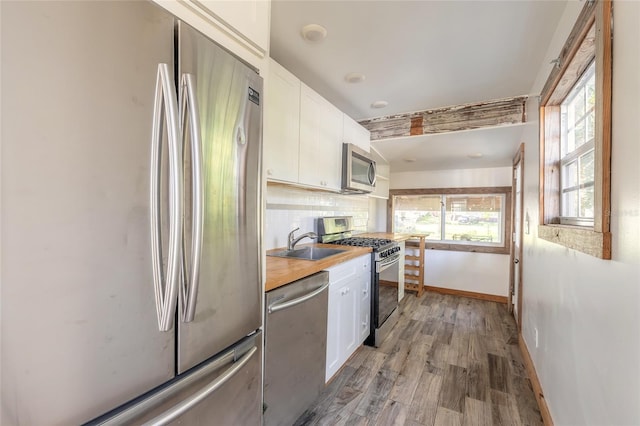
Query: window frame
(576, 155)
(505, 248)
(589, 40)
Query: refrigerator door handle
(190, 121)
(166, 285)
(275, 307)
(187, 404)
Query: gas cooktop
(364, 242)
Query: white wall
(586, 310)
(477, 272)
(289, 207)
(495, 176)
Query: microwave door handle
(190, 119)
(372, 173)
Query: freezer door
(226, 390)
(228, 301)
(79, 327)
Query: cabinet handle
(269, 172)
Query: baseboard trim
(535, 383)
(471, 294)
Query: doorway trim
(516, 261)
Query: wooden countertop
(387, 235)
(281, 270)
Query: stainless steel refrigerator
(131, 212)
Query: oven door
(386, 281)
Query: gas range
(382, 248)
(385, 272)
(338, 230)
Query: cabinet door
(281, 124)
(354, 133)
(350, 330)
(333, 332)
(248, 19)
(365, 303)
(320, 141)
(382, 188)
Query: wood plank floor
(449, 360)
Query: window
(577, 115)
(575, 138)
(464, 219)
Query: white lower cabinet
(349, 310)
(365, 303)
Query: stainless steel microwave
(358, 170)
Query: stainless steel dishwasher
(295, 348)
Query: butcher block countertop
(386, 235)
(281, 270)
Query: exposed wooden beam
(449, 119)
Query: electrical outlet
(536, 331)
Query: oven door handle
(380, 266)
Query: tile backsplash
(289, 207)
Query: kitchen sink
(307, 253)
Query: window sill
(473, 248)
(588, 241)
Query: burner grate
(364, 242)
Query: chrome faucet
(291, 241)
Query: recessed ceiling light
(379, 104)
(475, 155)
(410, 160)
(354, 77)
(314, 33)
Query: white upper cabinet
(240, 26)
(320, 161)
(354, 133)
(303, 133)
(245, 18)
(281, 124)
(382, 177)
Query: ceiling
(419, 55)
